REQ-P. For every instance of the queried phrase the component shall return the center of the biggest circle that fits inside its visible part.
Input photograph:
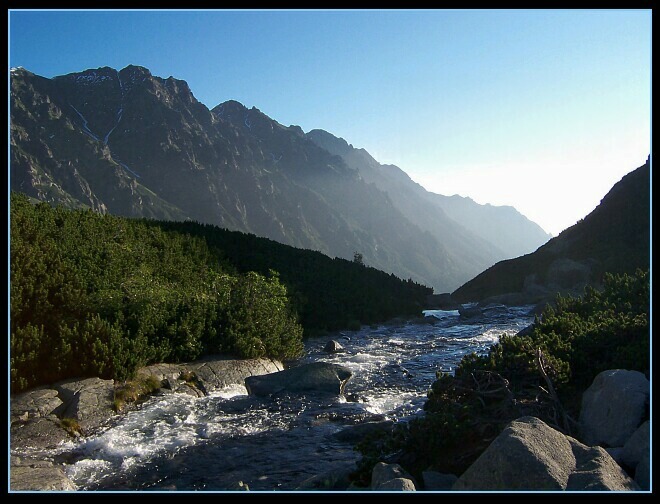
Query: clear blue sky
(541, 110)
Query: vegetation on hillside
(542, 373)
(101, 295)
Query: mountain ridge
(134, 144)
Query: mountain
(484, 234)
(614, 238)
(129, 143)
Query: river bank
(43, 418)
(168, 441)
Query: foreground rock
(26, 478)
(316, 377)
(391, 477)
(613, 407)
(530, 455)
(527, 455)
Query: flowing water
(179, 442)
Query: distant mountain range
(130, 143)
(614, 238)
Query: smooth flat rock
(434, 480)
(217, 372)
(39, 433)
(315, 377)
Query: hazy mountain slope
(614, 238)
(483, 234)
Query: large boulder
(26, 478)
(316, 377)
(527, 455)
(613, 407)
(638, 446)
(89, 401)
(391, 477)
(596, 471)
(217, 372)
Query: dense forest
(101, 295)
(541, 372)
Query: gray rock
(39, 433)
(188, 389)
(89, 401)
(333, 347)
(27, 478)
(434, 480)
(613, 407)
(643, 472)
(527, 455)
(355, 433)
(164, 372)
(468, 312)
(315, 377)
(596, 471)
(34, 404)
(397, 485)
(218, 372)
(638, 446)
(382, 473)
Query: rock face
(391, 477)
(27, 478)
(333, 347)
(315, 377)
(613, 407)
(527, 455)
(530, 455)
(89, 401)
